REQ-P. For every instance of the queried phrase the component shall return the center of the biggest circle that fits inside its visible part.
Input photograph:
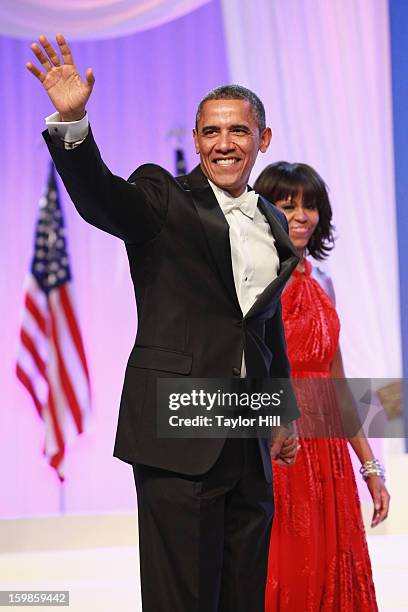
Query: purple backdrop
(146, 85)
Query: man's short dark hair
(235, 92)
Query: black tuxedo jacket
(189, 319)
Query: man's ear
(265, 141)
(195, 138)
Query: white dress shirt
(255, 260)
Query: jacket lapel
(214, 224)
(288, 258)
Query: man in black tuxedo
(205, 310)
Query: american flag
(51, 361)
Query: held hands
(285, 445)
(381, 499)
(61, 80)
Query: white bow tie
(246, 203)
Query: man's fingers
(42, 58)
(65, 50)
(276, 447)
(288, 451)
(287, 456)
(290, 446)
(36, 71)
(283, 436)
(289, 439)
(285, 460)
(50, 51)
(90, 79)
(282, 462)
(285, 449)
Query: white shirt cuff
(71, 132)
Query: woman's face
(302, 219)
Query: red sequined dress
(318, 558)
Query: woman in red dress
(318, 559)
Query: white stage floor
(107, 579)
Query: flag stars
(51, 239)
(50, 264)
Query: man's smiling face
(228, 139)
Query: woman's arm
(360, 444)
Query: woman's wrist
(372, 467)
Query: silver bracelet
(372, 468)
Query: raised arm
(134, 212)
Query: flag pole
(62, 500)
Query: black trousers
(204, 540)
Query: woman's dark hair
(282, 180)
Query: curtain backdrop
(323, 71)
(88, 20)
